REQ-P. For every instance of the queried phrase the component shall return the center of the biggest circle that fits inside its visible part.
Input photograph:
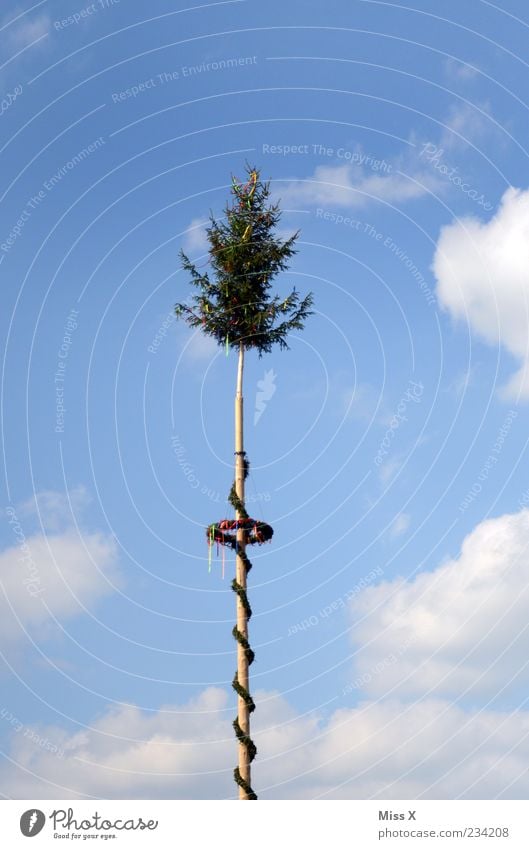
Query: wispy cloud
(55, 510)
(466, 122)
(195, 240)
(456, 69)
(391, 467)
(362, 180)
(199, 347)
(400, 524)
(362, 402)
(25, 30)
(348, 186)
(459, 384)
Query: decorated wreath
(225, 532)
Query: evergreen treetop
(235, 304)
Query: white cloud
(459, 70)
(400, 524)
(55, 510)
(24, 32)
(467, 123)
(458, 628)
(461, 382)
(20, 36)
(465, 126)
(199, 347)
(361, 180)
(482, 272)
(462, 627)
(348, 186)
(362, 401)
(385, 750)
(195, 241)
(51, 574)
(390, 467)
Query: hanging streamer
(211, 540)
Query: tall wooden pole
(243, 713)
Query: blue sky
(390, 454)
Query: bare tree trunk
(243, 713)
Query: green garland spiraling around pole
(243, 738)
(255, 532)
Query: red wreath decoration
(225, 532)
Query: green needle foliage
(235, 305)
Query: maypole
(245, 655)
(238, 311)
